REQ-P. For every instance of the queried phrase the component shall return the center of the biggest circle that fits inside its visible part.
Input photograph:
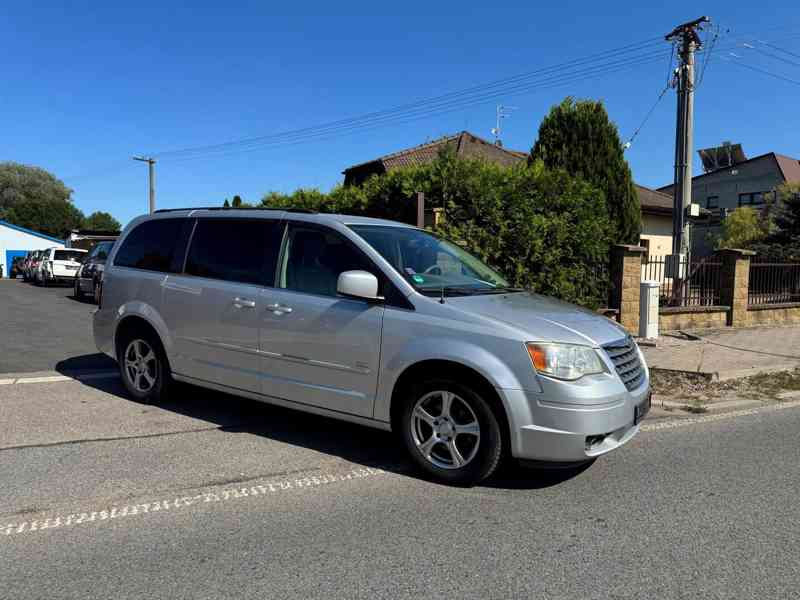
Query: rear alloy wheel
(143, 368)
(451, 432)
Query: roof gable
(30, 232)
(465, 145)
(790, 167)
(652, 200)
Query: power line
(646, 118)
(639, 46)
(771, 55)
(757, 69)
(779, 49)
(429, 110)
(418, 115)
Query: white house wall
(13, 239)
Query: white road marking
(99, 515)
(48, 379)
(57, 378)
(673, 423)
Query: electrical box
(648, 309)
(693, 210)
(675, 266)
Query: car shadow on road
(355, 443)
(85, 363)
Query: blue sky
(88, 84)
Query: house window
(712, 202)
(751, 199)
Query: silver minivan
(373, 322)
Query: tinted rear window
(241, 250)
(68, 255)
(151, 245)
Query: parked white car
(59, 265)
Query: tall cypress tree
(578, 136)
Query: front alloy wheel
(451, 431)
(445, 429)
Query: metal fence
(699, 286)
(593, 289)
(773, 283)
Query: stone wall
(773, 314)
(699, 317)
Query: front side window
(314, 258)
(151, 245)
(241, 250)
(429, 263)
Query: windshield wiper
(448, 290)
(502, 289)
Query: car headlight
(564, 361)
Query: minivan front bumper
(561, 432)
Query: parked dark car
(89, 278)
(16, 267)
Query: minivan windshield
(431, 264)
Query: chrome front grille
(625, 356)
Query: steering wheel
(433, 270)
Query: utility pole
(151, 171)
(688, 38)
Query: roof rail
(166, 210)
(306, 211)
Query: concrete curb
(730, 374)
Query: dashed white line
(102, 514)
(673, 423)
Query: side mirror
(358, 284)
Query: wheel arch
(448, 369)
(136, 322)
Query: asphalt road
(45, 329)
(211, 496)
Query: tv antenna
(503, 112)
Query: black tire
(158, 370)
(481, 452)
(78, 291)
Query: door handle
(244, 303)
(279, 309)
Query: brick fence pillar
(734, 283)
(626, 274)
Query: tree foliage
(741, 229)
(543, 229)
(51, 217)
(22, 183)
(33, 198)
(101, 221)
(578, 137)
(783, 241)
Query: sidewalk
(727, 354)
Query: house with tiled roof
(464, 144)
(656, 220)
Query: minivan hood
(543, 318)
